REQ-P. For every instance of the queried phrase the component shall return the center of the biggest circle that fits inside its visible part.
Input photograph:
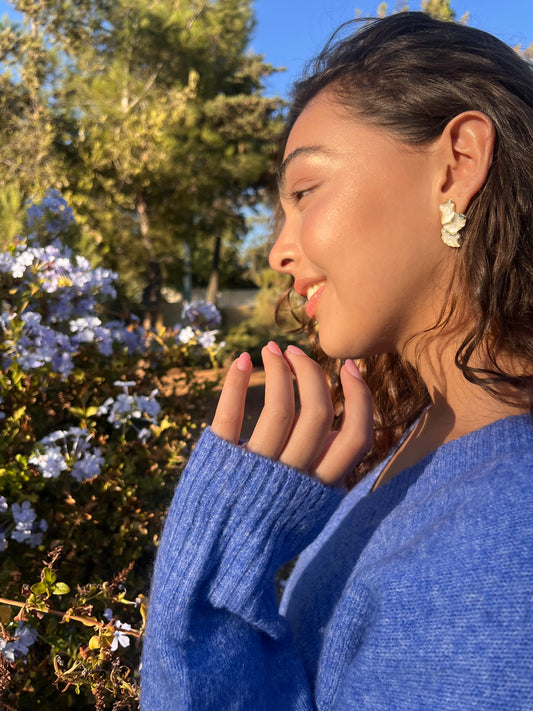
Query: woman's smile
(313, 296)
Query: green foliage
(439, 8)
(27, 129)
(251, 334)
(151, 118)
(10, 212)
(97, 418)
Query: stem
(57, 613)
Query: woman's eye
(298, 195)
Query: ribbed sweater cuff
(245, 515)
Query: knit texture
(415, 596)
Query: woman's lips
(313, 297)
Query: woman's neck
(457, 408)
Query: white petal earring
(452, 223)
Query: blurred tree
(29, 161)
(439, 8)
(160, 124)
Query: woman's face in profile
(361, 231)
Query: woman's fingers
(305, 442)
(229, 414)
(276, 420)
(347, 446)
(316, 411)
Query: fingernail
(273, 347)
(295, 350)
(353, 369)
(244, 362)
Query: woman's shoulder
(505, 445)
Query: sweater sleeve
(214, 637)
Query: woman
(406, 188)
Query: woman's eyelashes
(296, 196)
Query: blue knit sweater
(414, 596)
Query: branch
(87, 621)
(149, 84)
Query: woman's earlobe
(468, 143)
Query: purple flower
(120, 637)
(31, 319)
(201, 314)
(149, 406)
(51, 462)
(186, 335)
(6, 262)
(85, 327)
(7, 650)
(62, 364)
(20, 263)
(74, 446)
(88, 466)
(25, 636)
(207, 339)
(29, 361)
(24, 517)
(53, 210)
(5, 320)
(125, 407)
(132, 339)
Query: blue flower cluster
(136, 410)
(55, 212)
(20, 524)
(49, 301)
(68, 449)
(196, 327)
(57, 293)
(202, 315)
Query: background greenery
(150, 118)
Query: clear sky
(291, 32)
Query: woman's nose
(284, 253)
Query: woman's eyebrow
(303, 150)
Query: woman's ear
(467, 145)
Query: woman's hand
(303, 439)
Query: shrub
(94, 438)
(252, 333)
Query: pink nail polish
(244, 362)
(353, 369)
(273, 347)
(295, 350)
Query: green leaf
(78, 412)
(39, 589)
(60, 589)
(49, 576)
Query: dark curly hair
(410, 74)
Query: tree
(439, 8)
(29, 161)
(161, 125)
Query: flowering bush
(93, 440)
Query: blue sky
(290, 32)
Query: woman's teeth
(313, 289)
